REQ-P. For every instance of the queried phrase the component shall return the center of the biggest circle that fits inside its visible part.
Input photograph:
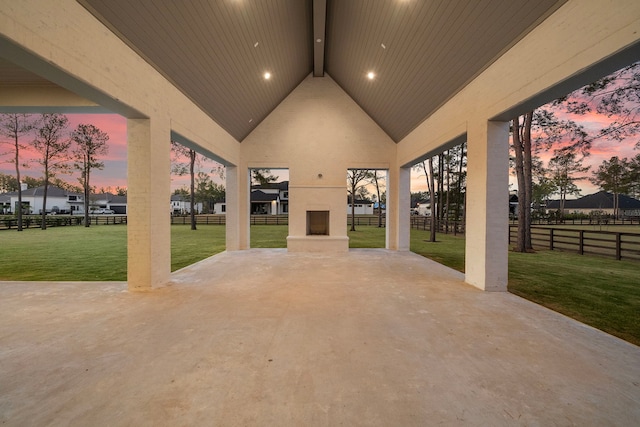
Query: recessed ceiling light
(267, 75)
(371, 75)
(256, 44)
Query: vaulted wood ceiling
(421, 51)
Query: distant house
(270, 199)
(181, 205)
(118, 204)
(60, 201)
(363, 207)
(5, 204)
(273, 199)
(600, 201)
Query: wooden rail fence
(32, 221)
(619, 245)
(442, 226)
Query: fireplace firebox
(317, 223)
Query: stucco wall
(318, 132)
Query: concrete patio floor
(271, 338)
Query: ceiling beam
(319, 32)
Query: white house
(181, 205)
(270, 199)
(363, 207)
(60, 201)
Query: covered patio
(270, 337)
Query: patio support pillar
(237, 220)
(486, 261)
(148, 195)
(398, 205)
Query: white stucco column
(398, 205)
(148, 195)
(237, 228)
(487, 213)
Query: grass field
(100, 252)
(95, 253)
(601, 292)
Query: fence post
(581, 243)
(618, 246)
(551, 239)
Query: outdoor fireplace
(317, 223)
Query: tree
(8, 183)
(615, 96)
(460, 180)
(532, 132)
(563, 167)
(356, 178)
(429, 175)
(262, 176)
(181, 169)
(208, 192)
(376, 181)
(91, 142)
(52, 145)
(614, 175)
(14, 126)
(634, 176)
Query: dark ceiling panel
(422, 52)
(216, 52)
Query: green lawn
(600, 292)
(100, 252)
(275, 236)
(95, 253)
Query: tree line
(202, 189)
(616, 97)
(58, 149)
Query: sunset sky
(114, 173)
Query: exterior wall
(317, 132)
(36, 203)
(554, 58)
(57, 39)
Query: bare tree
(550, 131)
(91, 142)
(429, 175)
(180, 168)
(356, 178)
(522, 146)
(14, 126)
(52, 144)
(375, 180)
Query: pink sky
(114, 173)
(601, 149)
